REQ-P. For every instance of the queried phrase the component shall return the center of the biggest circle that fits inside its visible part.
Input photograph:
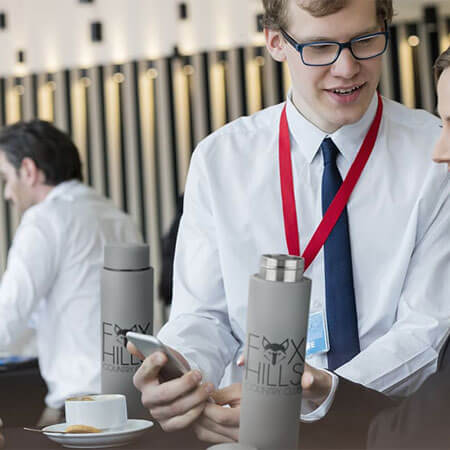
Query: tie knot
(329, 151)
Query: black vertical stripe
(431, 22)
(137, 131)
(190, 96)
(34, 99)
(207, 88)
(122, 145)
(20, 82)
(223, 59)
(279, 82)
(397, 88)
(242, 79)
(103, 134)
(172, 124)
(3, 101)
(88, 143)
(412, 30)
(7, 230)
(67, 96)
(158, 148)
(259, 52)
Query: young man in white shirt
(52, 278)
(397, 222)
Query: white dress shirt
(399, 221)
(53, 279)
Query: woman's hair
(442, 63)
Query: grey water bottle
(277, 325)
(127, 305)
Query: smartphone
(148, 344)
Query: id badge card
(317, 342)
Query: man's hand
(219, 424)
(2, 439)
(316, 385)
(175, 404)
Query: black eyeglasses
(325, 53)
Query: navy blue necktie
(340, 295)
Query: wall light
(85, 81)
(413, 40)
(84, 78)
(259, 23)
(152, 73)
(260, 61)
(119, 77)
(20, 56)
(18, 86)
(222, 57)
(183, 11)
(51, 82)
(2, 21)
(96, 32)
(188, 69)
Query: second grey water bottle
(127, 305)
(277, 323)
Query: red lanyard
(340, 200)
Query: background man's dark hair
(52, 151)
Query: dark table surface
(22, 393)
(154, 439)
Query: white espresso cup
(99, 411)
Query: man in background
(52, 278)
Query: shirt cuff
(311, 413)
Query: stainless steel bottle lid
(127, 256)
(286, 268)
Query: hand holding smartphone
(148, 344)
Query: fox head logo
(121, 332)
(275, 352)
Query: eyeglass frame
(299, 47)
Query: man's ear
(275, 44)
(30, 173)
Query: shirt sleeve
(399, 362)
(311, 413)
(29, 275)
(199, 326)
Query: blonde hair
(276, 11)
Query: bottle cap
(286, 268)
(127, 256)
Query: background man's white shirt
(399, 219)
(53, 281)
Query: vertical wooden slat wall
(136, 124)
(92, 79)
(14, 112)
(4, 235)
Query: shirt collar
(347, 138)
(63, 189)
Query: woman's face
(442, 150)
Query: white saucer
(109, 438)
